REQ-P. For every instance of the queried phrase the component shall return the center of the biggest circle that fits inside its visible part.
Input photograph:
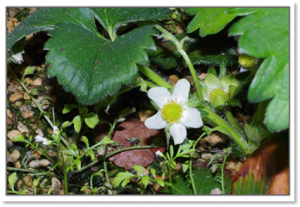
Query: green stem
(130, 148)
(150, 84)
(154, 77)
(222, 174)
(193, 72)
(65, 173)
(111, 34)
(191, 176)
(31, 171)
(235, 136)
(170, 174)
(234, 123)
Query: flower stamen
(171, 112)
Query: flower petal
(178, 132)
(159, 95)
(191, 117)
(181, 91)
(155, 122)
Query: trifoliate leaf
(122, 177)
(29, 70)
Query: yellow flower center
(171, 112)
(218, 97)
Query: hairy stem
(154, 77)
(234, 123)
(235, 136)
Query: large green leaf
(85, 63)
(112, 18)
(211, 50)
(92, 68)
(265, 34)
(205, 19)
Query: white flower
(173, 112)
(39, 138)
(55, 128)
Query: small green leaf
(138, 168)
(92, 154)
(77, 162)
(171, 151)
(68, 108)
(153, 172)
(106, 140)
(145, 180)
(91, 120)
(66, 124)
(233, 102)
(77, 123)
(122, 177)
(12, 179)
(161, 183)
(86, 141)
(19, 138)
(84, 187)
(194, 102)
(212, 71)
(29, 70)
(36, 181)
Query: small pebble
(39, 163)
(26, 111)
(22, 128)
(55, 183)
(15, 154)
(216, 191)
(15, 96)
(12, 134)
(28, 180)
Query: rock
(9, 144)
(12, 134)
(36, 154)
(17, 164)
(16, 24)
(10, 26)
(19, 183)
(26, 96)
(144, 172)
(202, 76)
(87, 191)
(238, 166)
(15, 154)
(39, 132)
(37, 82)
(247, 119)
(18, 103)
(26, 111)
(206, 156)
(12, 12)
(8, 113)
(145, 114)
(173, 79)
(230, 166)
(15, 96)
(22, 128)
(239, 116)
(28, 180)
(39, 163)
(11, 87)
(51, 153)
(216, 191)
(32, 10)
(55, 183)
(29, 40)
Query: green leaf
(84, 187)
(19, 138)
(106, 140)
(86, 141)
(45, 19)
(77, 123)
(160, 182)
(68, 108)
(233, 102)
(138, 168)
(91, 119)
(92, 154)
(153, 172)
(145, 180)
(122, 177)
(12, 179)
(265, 34)
(205, 20)
(66, 124)
(77, 162)
(90, 72)
(112, 18)
(29, 70)
(211, 50)
(212, 71)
